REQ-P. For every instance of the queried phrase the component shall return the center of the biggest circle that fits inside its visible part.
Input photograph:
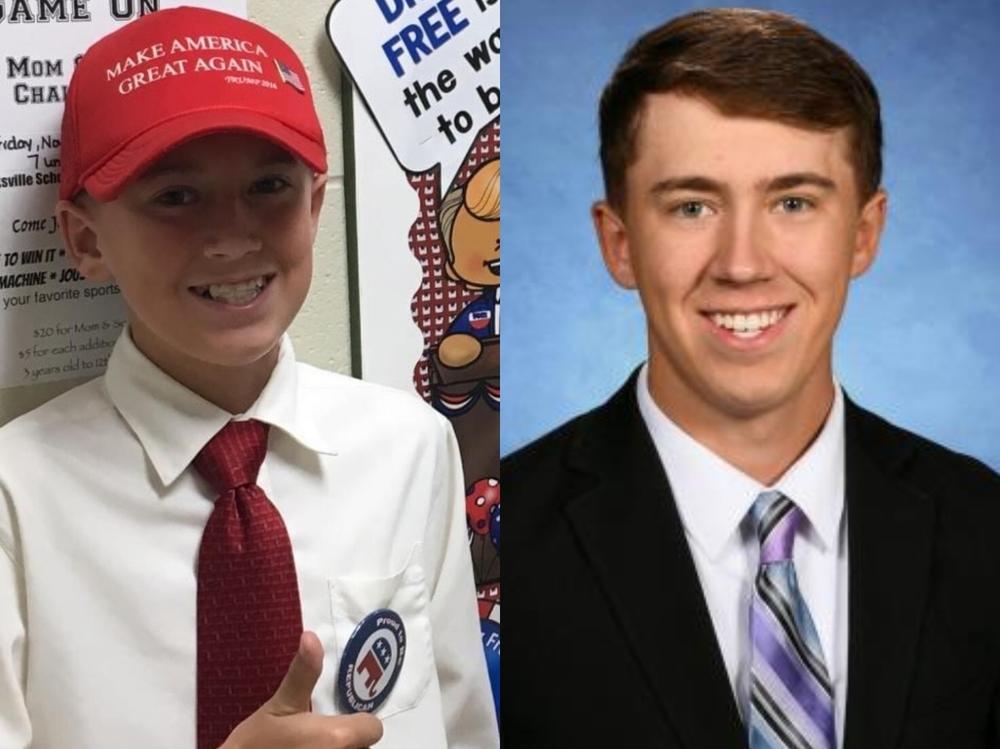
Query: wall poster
(423, 152)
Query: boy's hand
(285, 720)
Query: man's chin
(744, 397)
(756, 397)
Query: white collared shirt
(101, 517)
(714, 498)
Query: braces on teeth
(235, 292)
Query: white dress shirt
(101, 517)
(714, 498)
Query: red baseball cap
(175, 75)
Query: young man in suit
(750, 558)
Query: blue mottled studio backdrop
(920, 339)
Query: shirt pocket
(354, 598)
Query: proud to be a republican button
(372, 660)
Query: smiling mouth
(493, 266)
(238, 293)
(748, 325)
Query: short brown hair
(745, 63)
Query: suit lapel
(631, 533)
(890, 526)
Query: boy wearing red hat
(223, 548)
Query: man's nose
(233, 229)
(741, 254)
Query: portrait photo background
(920, 339)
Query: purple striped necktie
(791, 695)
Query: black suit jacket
(607, 636)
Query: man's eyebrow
(797, 179)
(693, 182)
(698, 183)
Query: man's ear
(612, 235)
(869, 231)
(76, 221)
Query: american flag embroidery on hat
(290, 77)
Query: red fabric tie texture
(249, 614)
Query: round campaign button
(371, 662)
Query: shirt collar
(713, 497)
(172, 423)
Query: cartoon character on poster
(469, 227)
(463, 352)
(430, 78)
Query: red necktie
(249, 616)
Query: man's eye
(176, 196)
(692, 209)
(270, 185)
(793, 205)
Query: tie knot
(776, 519)
(233, 456)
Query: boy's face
(211, 247)
(741, 236)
